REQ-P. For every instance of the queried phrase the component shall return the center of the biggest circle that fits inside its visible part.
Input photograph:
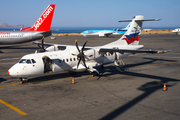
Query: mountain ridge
(6, 25)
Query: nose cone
(13, 71)
(8, 73)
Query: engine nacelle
(101, 34)
(92, 54)
(52, 48)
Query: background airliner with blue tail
(105, 32)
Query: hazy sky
(91, 13)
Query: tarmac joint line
(12, 107)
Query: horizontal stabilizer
(47, 33)
(140, 20)
(148, 20)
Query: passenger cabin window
(74, 59)
(67, 60)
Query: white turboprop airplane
(57, 58)
(39, 30)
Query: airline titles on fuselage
(90, 31)
(5, 33)
(8, 34)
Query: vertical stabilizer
(44, 22)
(127, 27)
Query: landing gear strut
(23, 80)
(119, 64)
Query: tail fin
(44, 22)
(127, 27)
(132, 36)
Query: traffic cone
(164, 88)
(73, 80)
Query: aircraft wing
(122, 51)
(60, 47)
(46, 44)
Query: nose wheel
(23, 80)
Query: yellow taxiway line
(10, 84)
(12, 107)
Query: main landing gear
(94, 74)
(23, 80)
(119, 64)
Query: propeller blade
(78, 62)
(84, 63)
(39, 45)
(77, 45)
(43, 44)
(73, 54)
(84, 46)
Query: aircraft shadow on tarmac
(103, 72)
(151, 61)
(148, 88)
(2, 79)
(16, 47)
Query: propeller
(42, 46)
(81, 55)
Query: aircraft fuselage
(16, 37)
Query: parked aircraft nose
(13, 71)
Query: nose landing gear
(23, 80)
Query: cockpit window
(28, 61)
(33, 61)
(22, 61)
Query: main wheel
(94, 74)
